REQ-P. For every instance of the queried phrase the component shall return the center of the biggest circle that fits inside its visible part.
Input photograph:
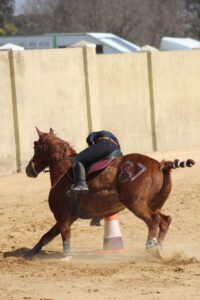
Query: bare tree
(6, 11)
(193, 18)
(142, 22)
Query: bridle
(32, 164)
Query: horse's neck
(57, 170)
(61, 156)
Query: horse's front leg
(66, 233)
(45, 239)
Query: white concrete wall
(124, 98)
(50, 92)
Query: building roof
(112, 41)
(10, 46)
(171, 43)
(115, 42)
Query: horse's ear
(51, 131)
(40, 133)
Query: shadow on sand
(24, 253)
(90, 256)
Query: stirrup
(76, 189)
(72, 194)
(81, 187)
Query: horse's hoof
(151, 243)
(95, 222)
(66, 258)
(30, 254)
(155, 251)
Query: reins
(66, 158)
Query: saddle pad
(99, 165)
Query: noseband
(32, 164)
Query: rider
(101, 144)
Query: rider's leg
(79, 177)
(85, 158)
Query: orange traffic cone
(112, 235)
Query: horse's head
(49, 151)
(40, 159)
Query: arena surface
(25, 217)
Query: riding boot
(79, 178)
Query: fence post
(14, 107)
(152, 106)
(91, 86)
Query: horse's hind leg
(164, 226)
(153, 224)
(157, 203)
(45, 239)
(152, 220)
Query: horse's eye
(37, 147)
(35, 144)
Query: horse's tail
(168, 165)
(165, 167)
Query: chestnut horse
(133, 181)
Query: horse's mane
(59, 148)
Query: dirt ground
(133, 274)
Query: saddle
(103, 163)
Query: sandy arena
(25, 217)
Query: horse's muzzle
(30, 170)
